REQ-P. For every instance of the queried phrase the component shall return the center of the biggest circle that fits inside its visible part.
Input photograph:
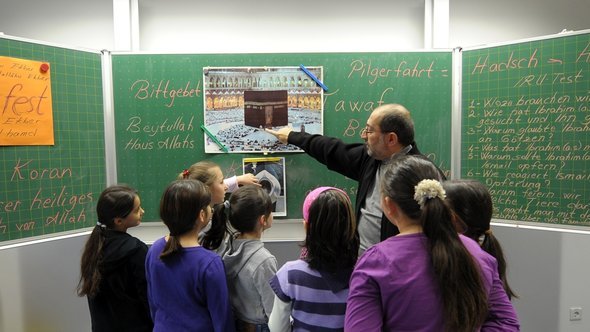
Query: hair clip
(428, 189)
(185, 174)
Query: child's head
(414, 184)
(472, 202)
(210, 174)
(119, 207)
(250, 209)
(311, 197)
(331, 239)
(184, 206)
(400, 182)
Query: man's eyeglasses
(368, 130)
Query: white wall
(38, 287)
(80, 24)
(277, 26)
(550, 270)
(476, 22)
(281, 26)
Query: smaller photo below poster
(271, 176)
(241, 102)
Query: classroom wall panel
(48, 189)
(526, 127)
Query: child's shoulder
(265, 252)
(138, 242)
(202, 258)
(298, 264)
(159, 243)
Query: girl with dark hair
(112, 266)
(187, 290)
(313, 289)
(427, 278)
(472, 202)
(248, 265)
(215, 235)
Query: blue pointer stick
(313, 77)
(214, 139)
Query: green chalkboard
(526, 127)
(54, 188)
(169, 139)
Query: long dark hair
(331, 239)
(472, 202)
(204, 171)
(180, 206)
(246, 205)
(214, 236)
(456, 272)
(114, 202)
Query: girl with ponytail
(427, 278)
(472, 202)
(187, 290)
(112, 273)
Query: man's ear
(391, 139)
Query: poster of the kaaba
(240, 103)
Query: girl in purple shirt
(427, 278)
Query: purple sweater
(188, 292)
(392, 289)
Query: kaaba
(266, 109)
